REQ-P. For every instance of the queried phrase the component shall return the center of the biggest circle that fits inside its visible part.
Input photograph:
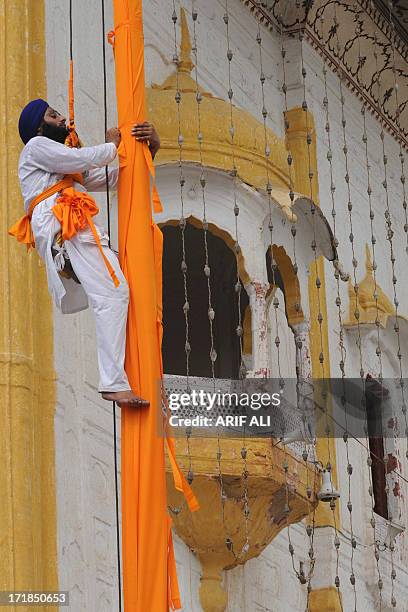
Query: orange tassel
(72, 140)
(22, 232)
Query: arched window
(224, 300)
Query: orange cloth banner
(149, 572)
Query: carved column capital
(257, 291)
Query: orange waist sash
(73, 209)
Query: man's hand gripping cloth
(73, 209)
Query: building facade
(283, 133)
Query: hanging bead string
(289, 159)
(388, 222)
(353, 540)
(186, 307)
(404, 207)
(293, 229)
(377, 321)
(273, 270)
(311, 450)
(340, 425)
(369, 193)
(364, 446)
(234, 173)
(349, 201)
(313, 205)
(310, 526)
(300, 574)
(404, 201)
(237, 284)
(267, 153)
(314, 250)
(338, 298)
(182, 226)
(398, 118)
(342, 350)
(308, 448)
(275, 300)
(320, 315)
(390, 233)
(182, 221)
(207, 272)
(310, 531)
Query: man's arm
(144, 132)
(96, 179)
(56, 158)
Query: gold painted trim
(249, 136)
(220, 233)
(28, 531)
(325, 600)
(291, 286)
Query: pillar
(257, 291)
(27, 379)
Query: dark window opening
(223, 278)
(274, 276)
(375, 393)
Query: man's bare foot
(125, 398)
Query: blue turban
(30, 119)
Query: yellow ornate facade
(369, 307)
(27, 380)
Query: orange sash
(73, 209)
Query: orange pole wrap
(72, 139)
(71, 93)
(149, 572)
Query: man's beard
(57, 133)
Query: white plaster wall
(84, 443)
(359, 482)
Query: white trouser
(110, 305)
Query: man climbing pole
(81, 268)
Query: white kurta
(44, 162)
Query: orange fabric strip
(180, 481)
(22, 229)
(73, 209)
(157, 205)
(72, 139)
(71, 92)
